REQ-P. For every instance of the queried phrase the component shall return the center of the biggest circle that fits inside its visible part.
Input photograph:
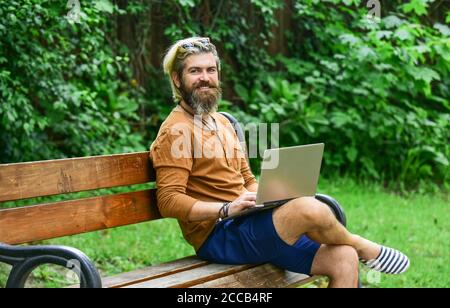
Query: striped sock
(390, 261)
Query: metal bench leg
(25, 259)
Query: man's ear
(176, 79)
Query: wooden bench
(52, 220)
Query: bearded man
(202, 176)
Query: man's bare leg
(315, 219)
(339, 264)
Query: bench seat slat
(46, 221)
(54, 177)
(152, 272)
(192, 277)
(196, 273)
(264, 276)
(228, 276)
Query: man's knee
(345, 259)
(310, 210)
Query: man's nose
(204, 75)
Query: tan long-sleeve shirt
(194, 164)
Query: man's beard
(202, 102)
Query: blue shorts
(253, 239)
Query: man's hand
(245, 201)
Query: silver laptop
(287, 173)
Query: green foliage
(366, 89)
(417, 6)
(60, 84)
(379, 90)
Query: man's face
(199, 83)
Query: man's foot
(389, 261)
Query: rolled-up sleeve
(172, 174)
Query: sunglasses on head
(190, 45)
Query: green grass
(416, 224)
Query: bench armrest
(237, 127)
(24, 259)
(337, 209)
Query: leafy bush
(375, 93)
(63, 90)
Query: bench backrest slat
(46, 221)
(54, 177)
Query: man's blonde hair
(177, 54)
